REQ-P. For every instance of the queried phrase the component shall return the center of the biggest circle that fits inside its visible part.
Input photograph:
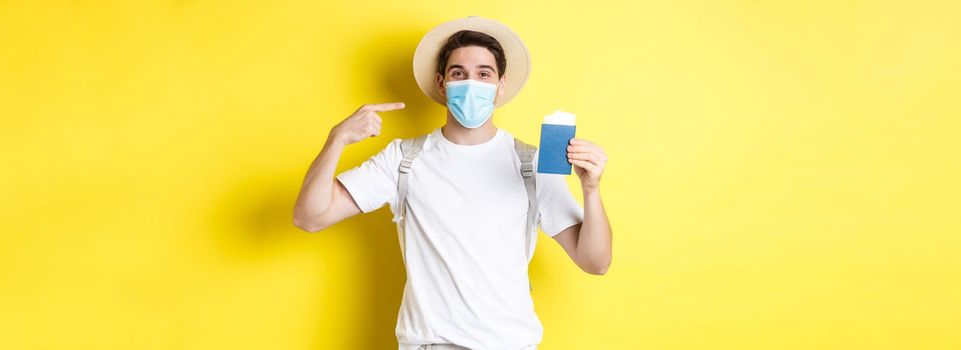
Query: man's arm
(589, 243)
(323, 200)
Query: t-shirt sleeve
(373, 183)
(556, 205)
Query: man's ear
(500, 87)
(440, 85)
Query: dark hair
(471, 38)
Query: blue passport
(556, 134)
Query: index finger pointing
(384, 107)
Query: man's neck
(456, 133)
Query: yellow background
(783, 175)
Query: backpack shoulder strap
(526, 154)
(409, 148)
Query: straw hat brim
(515, 52)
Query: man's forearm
(594, 239)
(317, 191)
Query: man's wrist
(334, 140)
(591, 190)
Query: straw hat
(515, 52)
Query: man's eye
(456, 74)
(485, 74)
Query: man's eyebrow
(482, 66)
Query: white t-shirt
(464, 235)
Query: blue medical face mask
(470, 101)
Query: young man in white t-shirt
(466, 203)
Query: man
(462, 225)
